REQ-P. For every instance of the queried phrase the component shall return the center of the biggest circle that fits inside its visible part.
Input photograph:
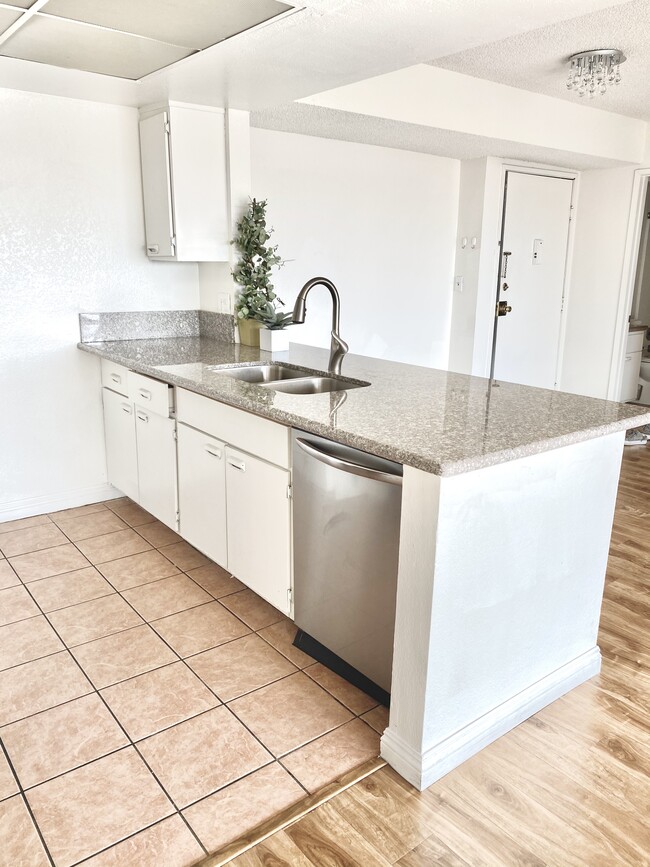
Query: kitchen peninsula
(507, 507)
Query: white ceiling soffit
(536, 60)
(121, 38)
(322, 45)
(312, 120)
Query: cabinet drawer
(151, 393)
(250, 433)
(115, 377)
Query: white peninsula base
(500, 585)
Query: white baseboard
(13, 509)
(424, 769)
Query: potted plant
(273, 334)
(257, 303)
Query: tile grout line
(22, 795)
(223, 704)
(130, 743)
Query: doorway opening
(635, 385)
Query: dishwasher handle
(348, 466)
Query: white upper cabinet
(185, 183)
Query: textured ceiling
(346, 126)
(326, 44)
(536, 60)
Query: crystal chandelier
(592, 71)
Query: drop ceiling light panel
(59, 42)
(7, 18)
(22, 4)
(196, 24)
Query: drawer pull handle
(116, 378)
(237, 465)
(153, 249)
(145, 393)
(216, 453)
(143, 417)
(126, 408)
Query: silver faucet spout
(338, 346)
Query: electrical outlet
(225, 302)
(458, 284)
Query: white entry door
(531, 280)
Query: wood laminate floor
(570, 786)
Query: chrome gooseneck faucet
(338, 346)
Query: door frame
(626, 293)
(549, 172)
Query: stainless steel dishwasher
(347, 507)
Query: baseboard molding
(14, 509)
(424, 769)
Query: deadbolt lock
(503, 308)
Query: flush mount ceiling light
(595, 70)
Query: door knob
(503, 308)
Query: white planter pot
(274, 340)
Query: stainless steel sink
(263, 373)
(289, 379)
(315, 385)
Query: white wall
(380, 223)
(72, 239)
(601, 228)
(442, 99)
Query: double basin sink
(290, 380)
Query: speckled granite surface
(444, 423)
(134, 325)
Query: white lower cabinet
(202, 493)
(259, 526)
(119, 433)
(193, 474)
(157, 480)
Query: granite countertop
(444, 423)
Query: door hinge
(167, 128)
(289, 492)
(178, 517)
(172, 241)
(290, 597)
(175, 434)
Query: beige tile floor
(152, 709)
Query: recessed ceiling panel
(23, 4)
(7, 18)
(192, 23)
(91, 49)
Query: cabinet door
(259, 526)
(156, 448)
(202, 493)
(156, 185)
(631, 373)
(119, 435)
